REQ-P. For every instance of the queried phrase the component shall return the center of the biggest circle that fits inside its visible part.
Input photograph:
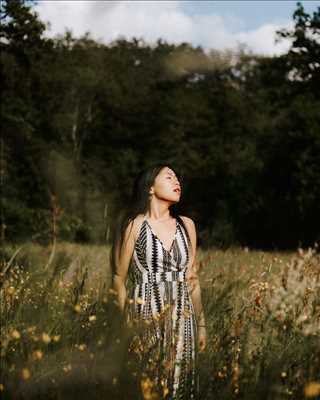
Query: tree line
(81, 118)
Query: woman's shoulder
(187, 220)
(137, 222)
(138, 218)
(189, 225)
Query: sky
(210, 24)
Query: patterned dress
(161, 314)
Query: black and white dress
(161, 310)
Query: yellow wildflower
(46, 338)
(67, 368)
(139, 300)
(15, 334)
(312, 389)
(31, 329)
(37, 355)
(10, 290)
(77, 308)
(26, 374)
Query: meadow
(61, 337)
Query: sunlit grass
(61, 333)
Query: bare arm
(123, 257)
(193, 275)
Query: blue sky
(219, 25)
(253, 13)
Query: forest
(81, 118)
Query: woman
(156, 248)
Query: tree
(21, 31)
(302, 60)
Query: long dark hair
(139, 203)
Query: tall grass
(61, 336)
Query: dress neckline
(174, 237)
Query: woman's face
(166, 185)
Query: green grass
(61, 337)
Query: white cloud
(107, 20)
(262, 39)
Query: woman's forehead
(167, 170)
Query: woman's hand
(202, 338)
(192, 279)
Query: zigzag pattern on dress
(166, 344)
